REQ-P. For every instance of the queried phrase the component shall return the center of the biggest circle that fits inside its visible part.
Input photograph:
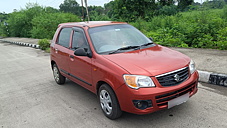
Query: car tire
(58, 77)
(108, 102)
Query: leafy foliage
(214, 4)
(182, 4)
(109, 9)
(199, 29)
(20, 22)
(97, 13)
(36, 21)
(3, 17)
(130, 10)
(167, 10)
(44, 44)
(3, 27)
(44, 26)
(166, 2)
(70, 6)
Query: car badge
(177, 78)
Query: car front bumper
(159, 96)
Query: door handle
(71, 56)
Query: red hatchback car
(122, 66)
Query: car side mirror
(82, 52)
(151, 38)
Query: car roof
(91, 23)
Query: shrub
(140, 24)
(214, 4)
(225, 12)
(164, 37)
(44, 44)
(20, 21)
(222, 45)
(199, 29)
(222, 39)
(47, 50)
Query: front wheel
(58, 77)
(109, 103)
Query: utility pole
(201, 3)
(87, 10)
(82, 6)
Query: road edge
(213, 78)
(22, 43)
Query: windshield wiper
(125, 48)
(146, 44)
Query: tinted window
(79, 40)
(64, 37)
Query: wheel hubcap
(56, 74)
(105, 101)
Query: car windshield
(117, 38)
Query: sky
(8, 6)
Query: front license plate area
(178, 100)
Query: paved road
(29, 97)
(211, 60)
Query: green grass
(47, 50)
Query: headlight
(137, 81)
(192, 66)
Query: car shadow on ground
(214, 88)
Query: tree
(3, 16)
(70, 6)
(97, 13)
(51, 10)
(131, 10)
(214, 4)
(20, 21)
(109, 9)
(45, 25)
(166, 2)
(3, 28)
(98, 9)
(182, 4)
(168, 10)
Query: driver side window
(79, 40)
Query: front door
(80, 66)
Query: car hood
(150, 61)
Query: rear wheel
(109, 103)
(58, 77)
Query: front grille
(173, 78)
(162, 100)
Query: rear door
(61, 49)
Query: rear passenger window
(64, 37)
